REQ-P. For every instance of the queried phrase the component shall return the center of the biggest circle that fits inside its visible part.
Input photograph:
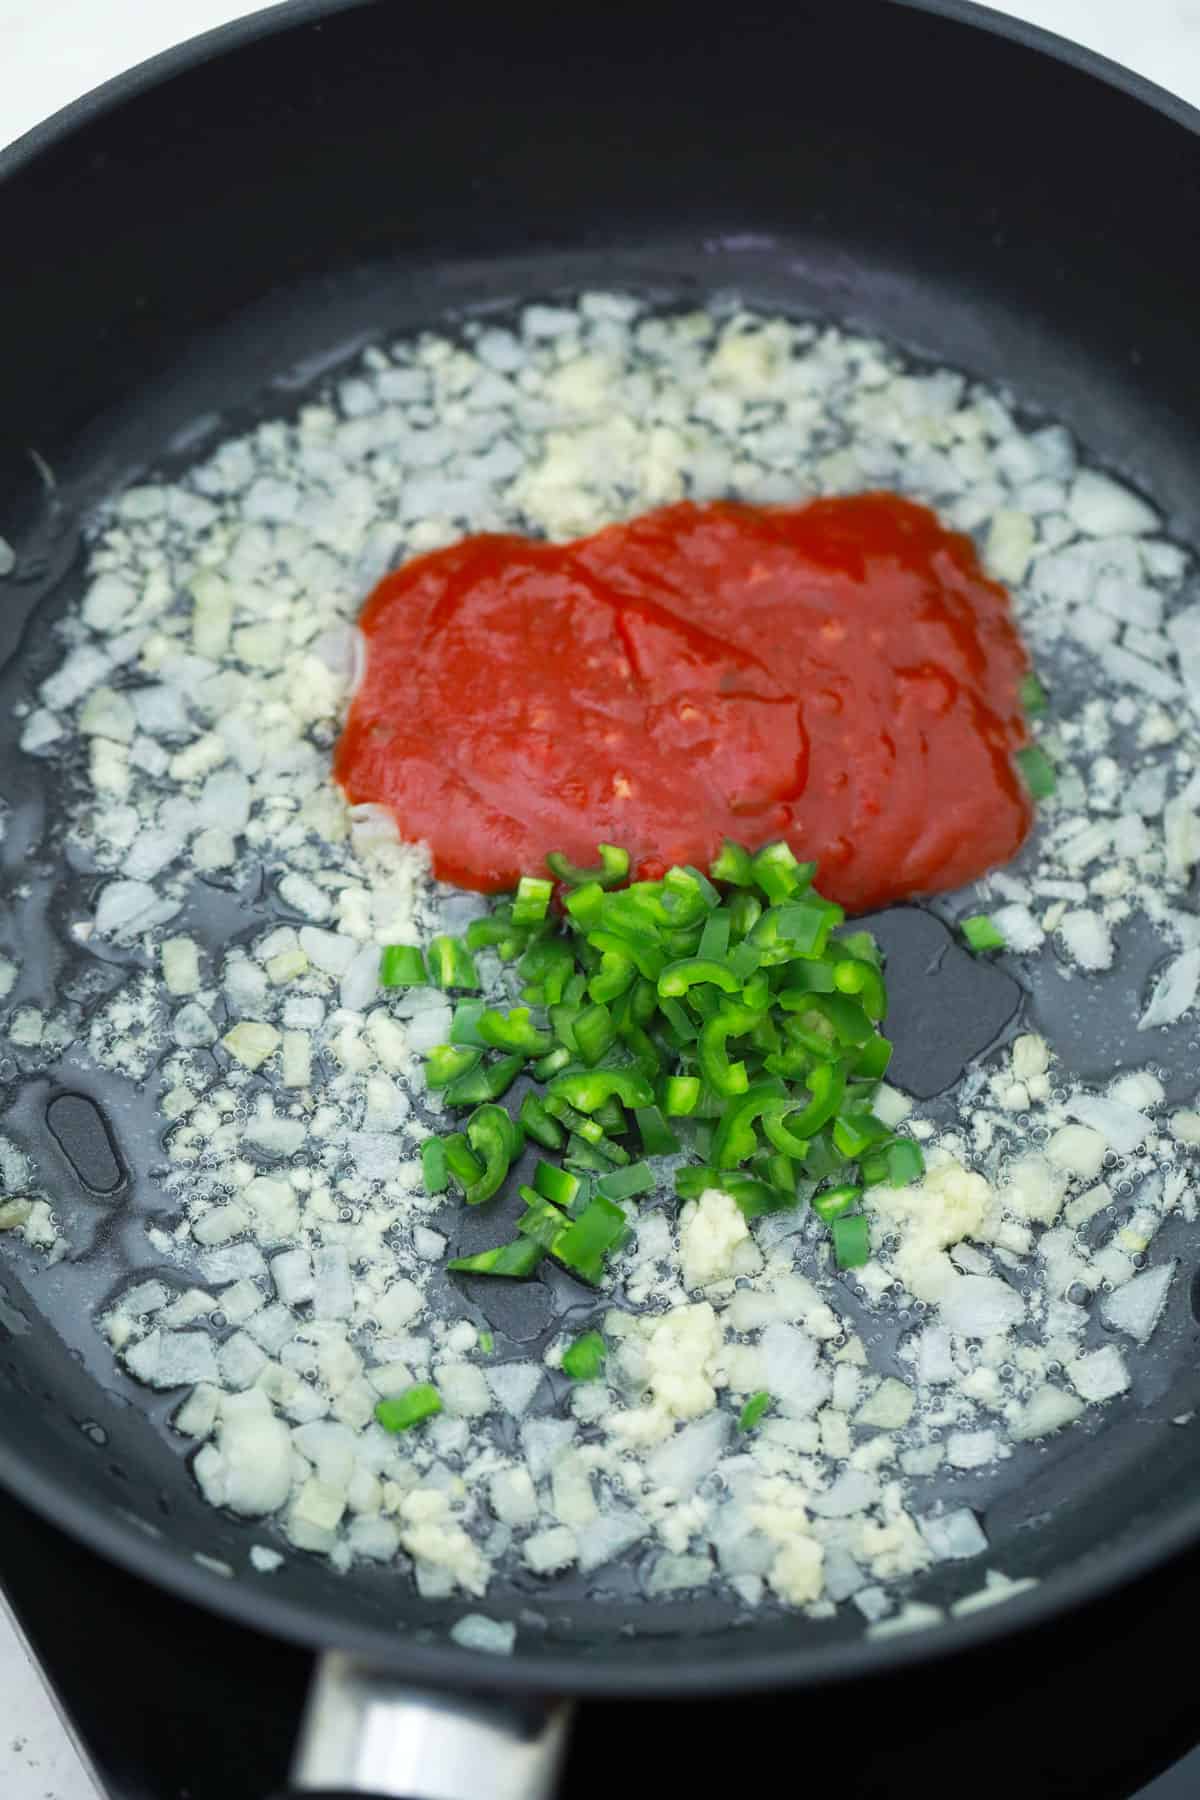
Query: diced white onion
(1138, 1306)
(1174, 993)
(1122, 1126)
(953, 1536)
(495, 1637)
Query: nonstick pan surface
(198, 242)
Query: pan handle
(364, 1735)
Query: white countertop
(51, 51)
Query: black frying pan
(236, 214)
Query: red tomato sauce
(841, 674)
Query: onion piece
(475, 1631)
(1123, 1126)
(1175, 991)
(953, 1536)
(1137, 1307)
(249, 1468)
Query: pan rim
(257, 1606)
(284, 15)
